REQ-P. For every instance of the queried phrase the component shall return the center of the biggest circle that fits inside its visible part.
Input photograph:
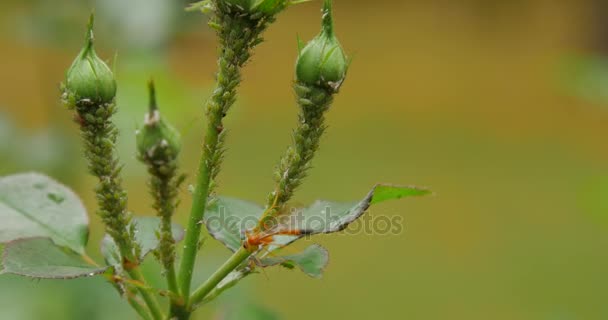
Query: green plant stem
(99, 135)
(232, 263)
(161, 160)
(164, 186)
(141, 310)
(148, 297)
(238, 34)
(314, 101)
(201, 193)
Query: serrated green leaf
(228, 218)
(34, 205)
(311, 260)
(42, 258)
(329, 217)
(145, 234)
(383, 192)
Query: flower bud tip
(89, 78)
(152, 96)
(322, 62)
(157, 140)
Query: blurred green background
(501, 107)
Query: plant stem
(148, 297)
(163, 186)
(161, 159)
(99, 135)
(232, 263)
(314, 101)
(201, 193)
(141, 310)
(238, 34)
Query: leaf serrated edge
(8, 245)
(275, 263)
(366, 203)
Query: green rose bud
(271, 7)
(322, 61)
(157, 140)
(89, 78)
(266, 7)
(242, 4)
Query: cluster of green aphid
(320, 71)
(158, 147)
(90, 89)
(239, 31)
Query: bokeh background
(501, 107)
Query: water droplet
(55, 197)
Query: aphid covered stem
(90, 89)
(314, 93)
(293, 167)
(320, 71)
(158, 145)
(238, 33)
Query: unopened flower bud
(89, 78)
(322, 61)
(157, 140)
(266, 7)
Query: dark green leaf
(41, 258)
(228, 218)
(34, 205)
(311, 261)
(328, 217)
(146, 229)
